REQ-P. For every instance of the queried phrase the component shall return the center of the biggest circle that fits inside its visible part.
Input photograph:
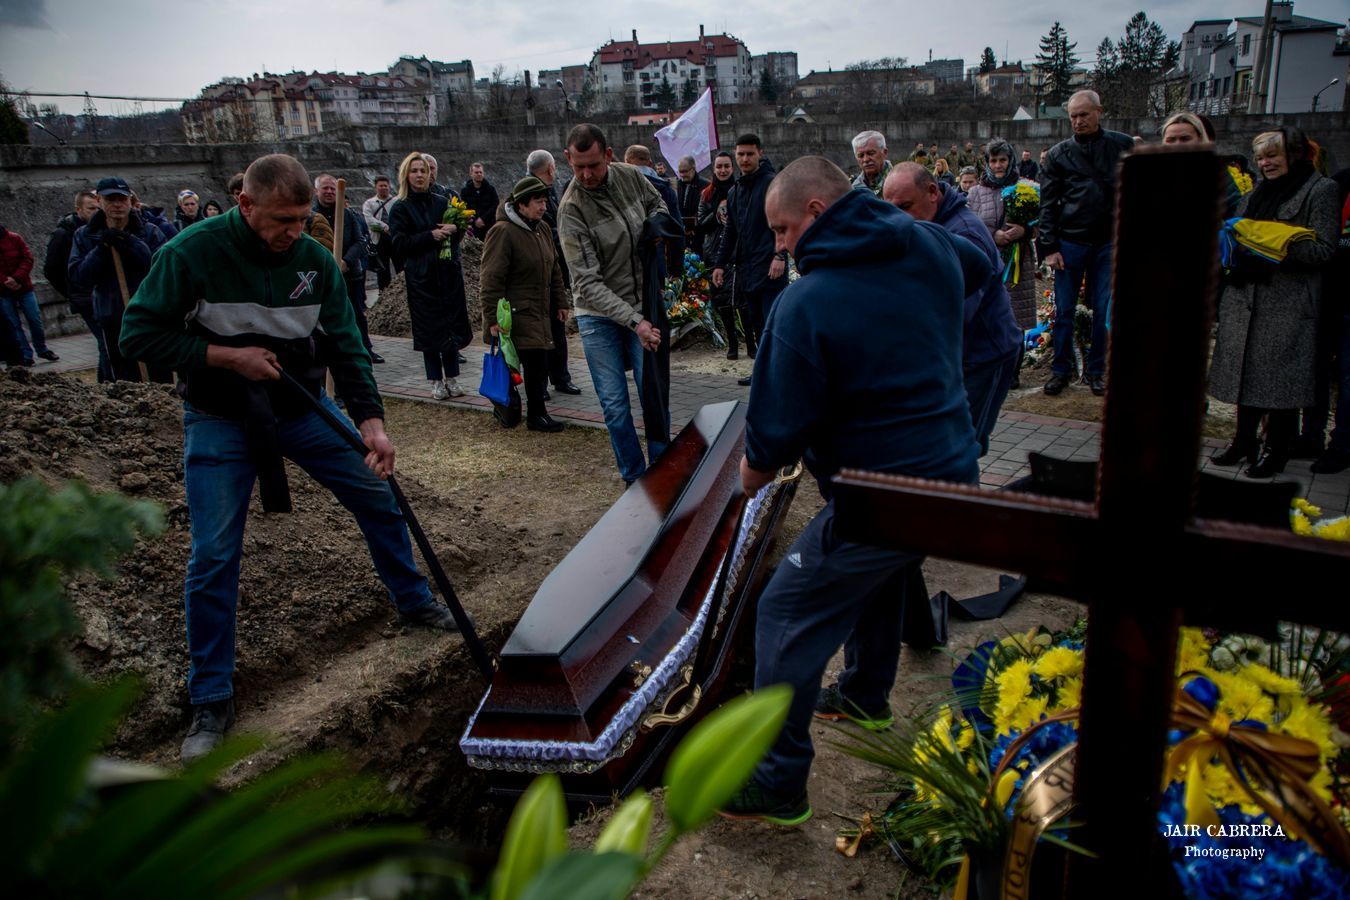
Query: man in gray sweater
(600, 221)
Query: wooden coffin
(628, 640)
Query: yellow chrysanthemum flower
(1058, 662)
(1014, 684)
(1306, 507)
(1310, 723)
(1242, 698)
(1337, 529)
(1023, 716)
(1193, 654)
(1070, 694)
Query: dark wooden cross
(1139, 557)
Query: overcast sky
(157, 48)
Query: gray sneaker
(210, 721)
(433, 615)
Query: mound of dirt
(322, 659)
(389, 316)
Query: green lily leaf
(629, 828)
(535, 836)
(716, 759)
(586, 876)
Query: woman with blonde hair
(1187, 129)
(435, 286)
(942, 172)
(1265, 350)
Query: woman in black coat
(440, 320)
(711, 221)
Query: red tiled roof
(642, 54)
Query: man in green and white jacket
(230, 306)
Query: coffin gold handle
(789, 473)
(665, 717)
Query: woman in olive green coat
(520, 264)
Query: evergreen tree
(688, 94)
(1133, 66)
(13, 130)
(665, 95)
(768, 90)
(1056, 61)
(987, 61)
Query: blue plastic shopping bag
(496, 382)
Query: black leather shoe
(210, 721)
(568, 388)
(1098, 385)
(1268, 465)
(49, 355)
(1236, 452)
(460, 357)
(1056, 385)
(734, 353)
(743, 382)
(543, 423)
(1331, 462)
(376, 358)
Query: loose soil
(323, 663)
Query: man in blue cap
(116, 235)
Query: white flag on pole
(694, 134)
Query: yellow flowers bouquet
(457, 213)
(962, 768)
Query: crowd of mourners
(248, 301)
(1281, 348)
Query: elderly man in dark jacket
(355, 252)
(688, 189)
(115, 233)
(641, 157)
(761, 271)
(1074, 232)
(55, 267)
(991, 338)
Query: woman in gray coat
(1263, 357)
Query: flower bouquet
(688, 299)
(458, 214)
(1251, 772)
(1021, 206)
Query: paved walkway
(1014, 437)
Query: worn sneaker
(49, 355)
(439, 391)
(452, 385)
(432, 615)
(832, 705)
(210, 721)
(756, 802)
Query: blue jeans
(29, 306)
(839, 593)
(219, 476)
(1095, 262)
(612, 349)
(1340, 435)
(987, 387)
